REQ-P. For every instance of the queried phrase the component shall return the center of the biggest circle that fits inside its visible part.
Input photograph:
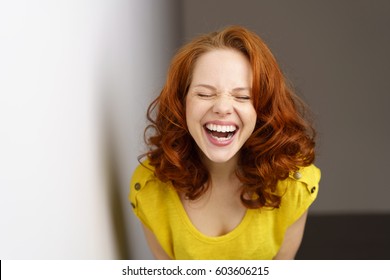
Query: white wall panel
(71, 72)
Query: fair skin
(220, 118)
(219, 99)
(292, 241)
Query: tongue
(220, 134)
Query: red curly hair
(282, 140)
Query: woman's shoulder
(301, 185)
(309, 176)
(145, 187)
(142, 174)
(144, 181)
(298, 192)
(146, 194)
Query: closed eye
(205, 95)
(243, 97)
(242, 94)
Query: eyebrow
(215, 89)
(205, 86)
(242, 89)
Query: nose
(223, 105)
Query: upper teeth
(221, 128)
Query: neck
(222, 171)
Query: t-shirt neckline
(198, 234)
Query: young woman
(229, 173)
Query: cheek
(250, 117)
(253, 119)
(194, 111)
(192, 115)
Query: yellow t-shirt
(258, 236)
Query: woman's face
(219, 110)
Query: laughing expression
(219, 109)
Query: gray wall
(143, 39)
(336, 53)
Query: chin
(220, 158)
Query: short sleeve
(151, 202)
(141, 176)
(301, 191)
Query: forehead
(222, 66)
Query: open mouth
(220, 132)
